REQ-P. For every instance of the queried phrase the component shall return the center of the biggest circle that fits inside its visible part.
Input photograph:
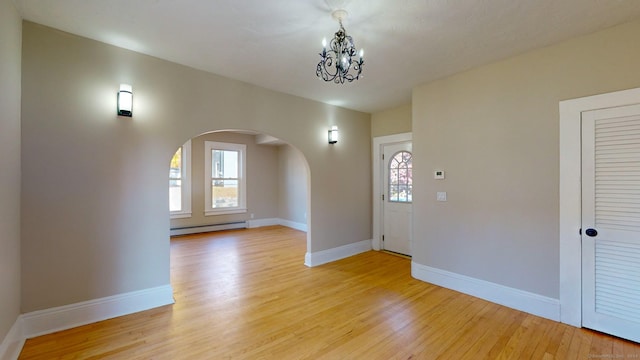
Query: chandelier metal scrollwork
(341, 62)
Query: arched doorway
(237, 179)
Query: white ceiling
(275, 43)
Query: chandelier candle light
(339, 63)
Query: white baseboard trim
(254, 223)
(12, 344)
(249, 224)
(208, 228)
(47, 321)
(341, 252)
(294, 225)
(514, 298)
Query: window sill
(180, 215)
(225, 211)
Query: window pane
(176, 165)
(225, 178)
(224, 193)
(175, 182)
(404, 193)
(393, 193)
(175, 195)
(402, 176)
(393, 176)
(224, 164)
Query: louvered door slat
(609, 133)
(611, 204)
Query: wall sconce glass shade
(333, 135)
(125, 100)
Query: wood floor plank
(492, 332)
(246, 294)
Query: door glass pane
(401, 177)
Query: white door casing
(378, 172)
(611, 221)
(570, 210)
(397, 200)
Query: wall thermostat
(438, 174)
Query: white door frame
(570, 195)
(378, 142)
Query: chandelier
(339, 63)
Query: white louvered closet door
(611, 221)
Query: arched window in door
(400, 177)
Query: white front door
(397, 197)
(611, 221)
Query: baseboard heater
(207, 228)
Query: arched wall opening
(96, 227)
(276, 190)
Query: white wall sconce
(333, 135)
(125, 100)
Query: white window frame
(186, 184)
(242, 181)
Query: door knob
(591, 232)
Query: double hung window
(225, 178)
(180, 182)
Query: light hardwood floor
(246, 294)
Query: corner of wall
(335, 254)
(10, 178)
(50, 320)
(12, 344)
(514, 298)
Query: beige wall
(262, 181)
(95, 185)
(494, 130)
(10, 70)
(392, 121)
(292, 185)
